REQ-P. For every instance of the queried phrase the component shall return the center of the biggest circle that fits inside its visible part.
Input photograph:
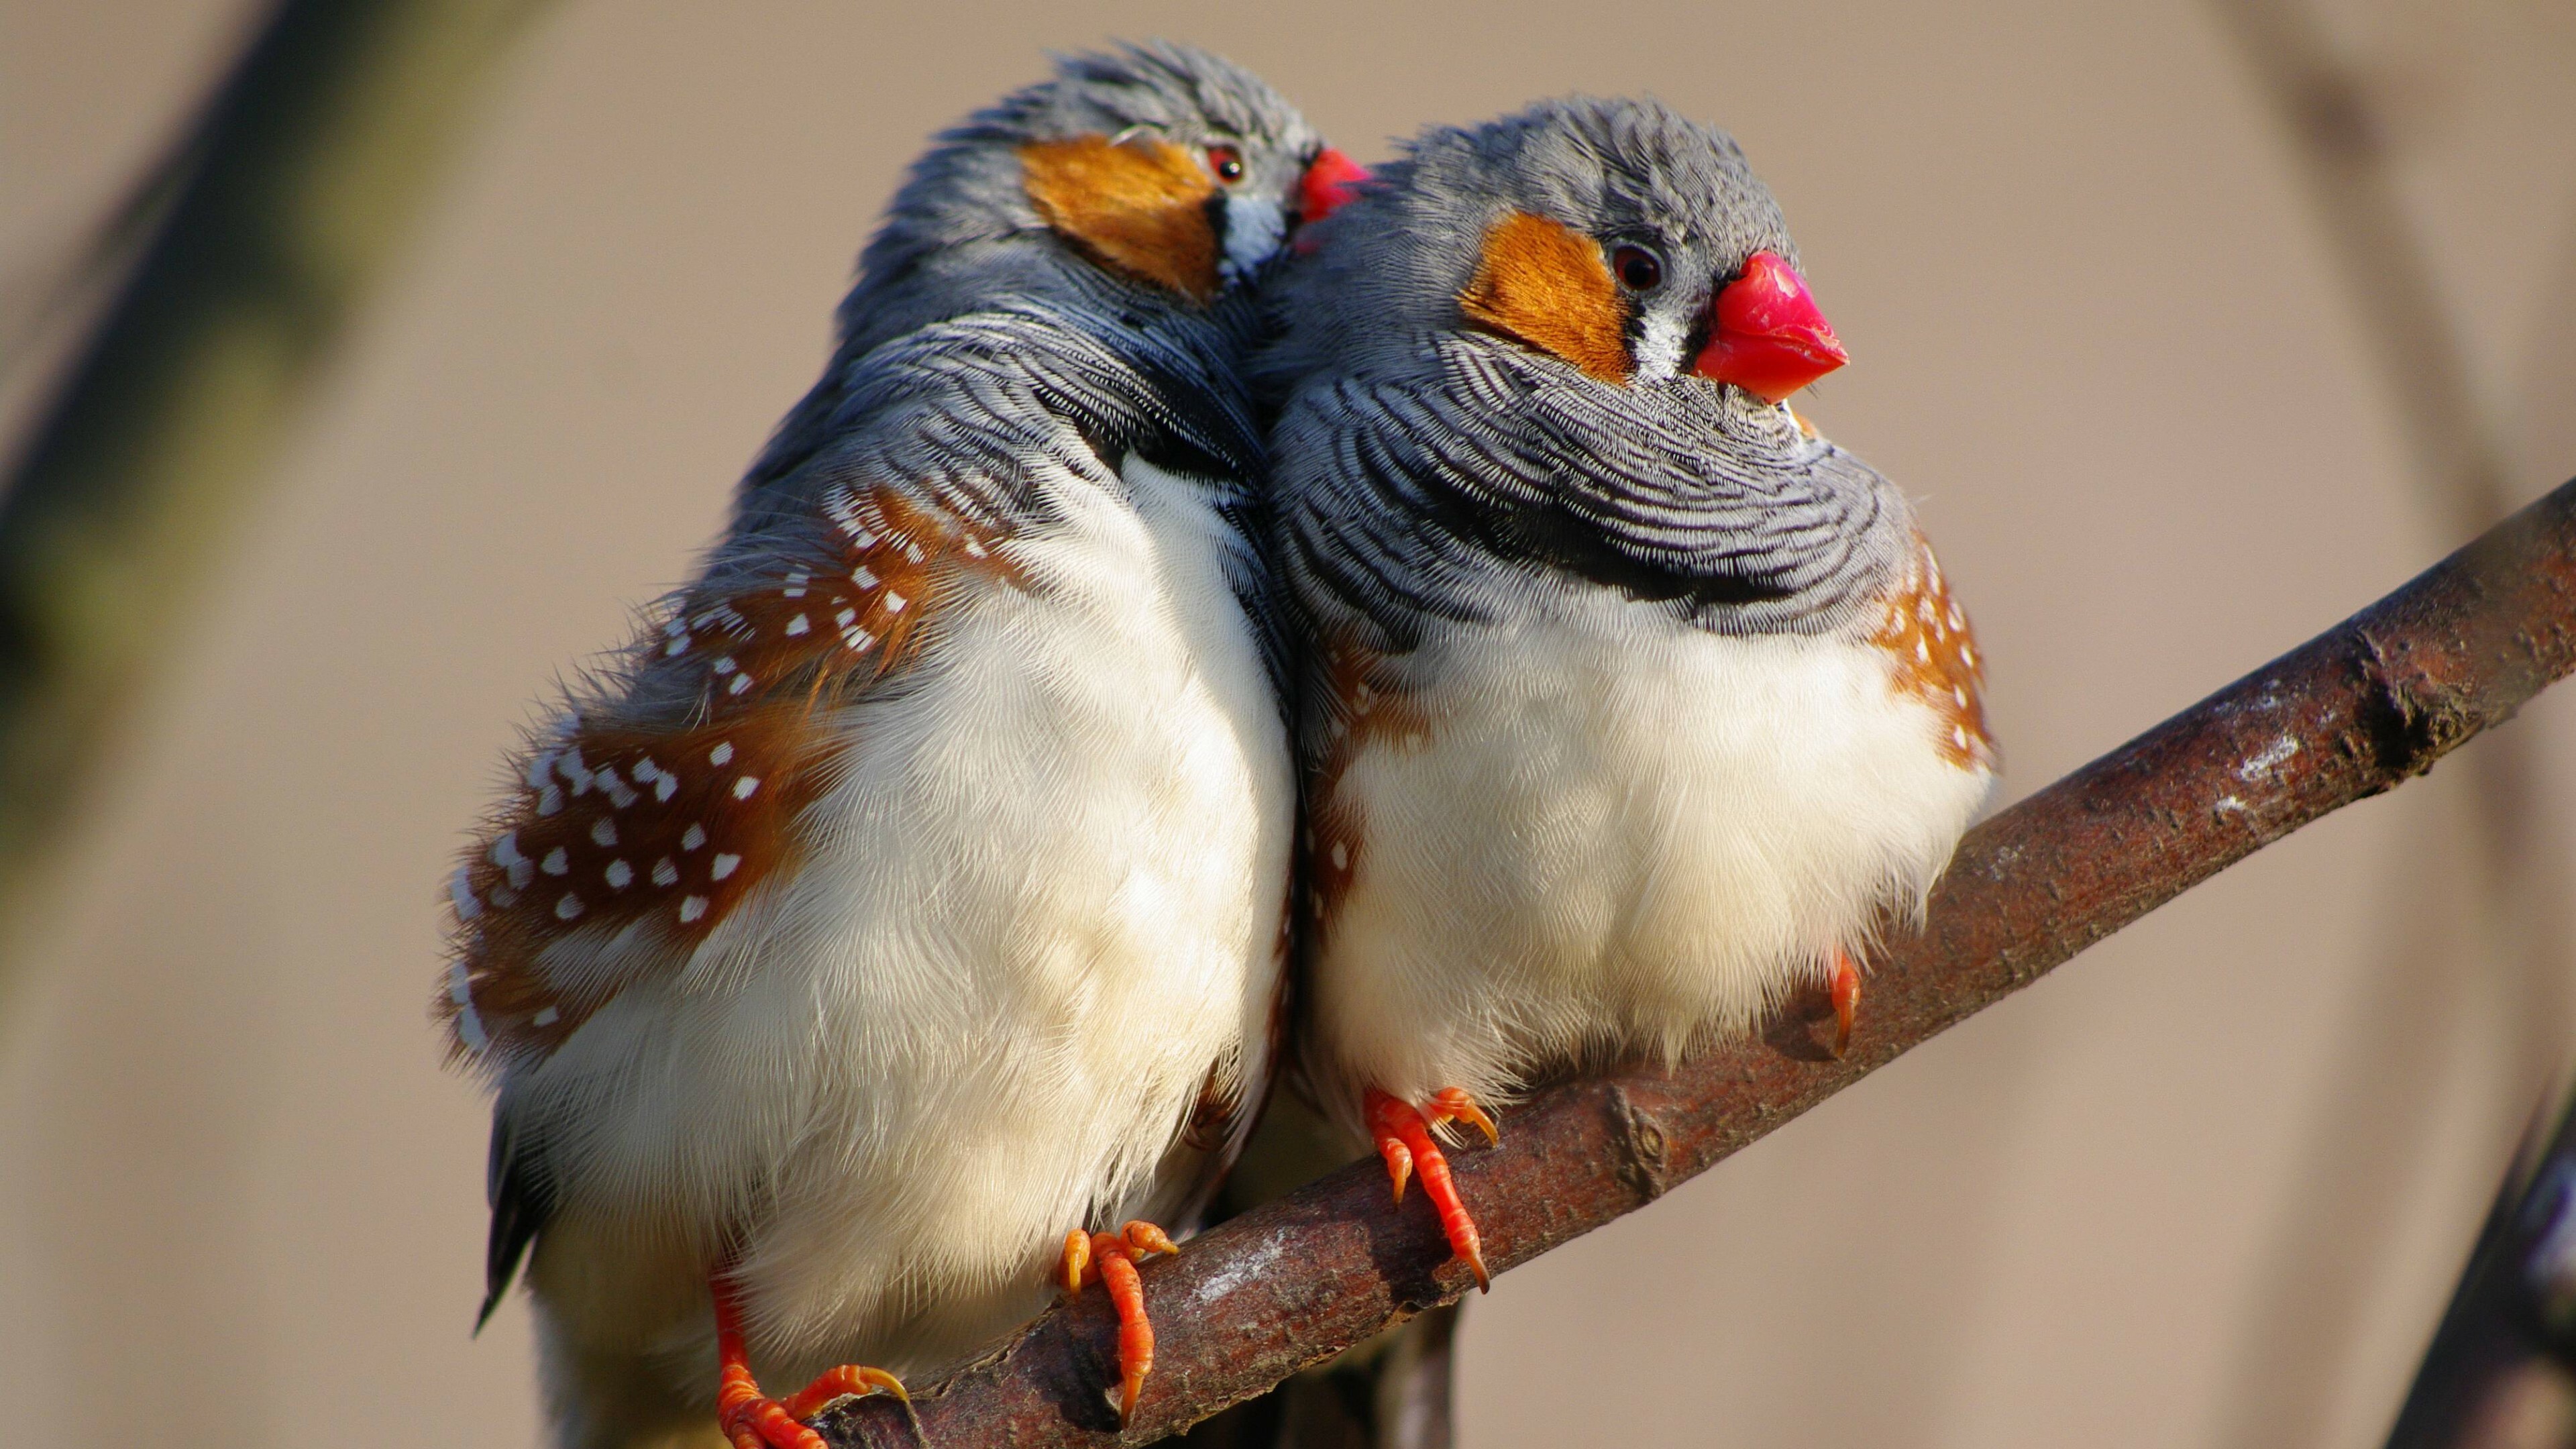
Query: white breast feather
(1619, 833)
(1045, 897)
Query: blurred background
(2193, 325)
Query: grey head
(1156, 175)
(1132, 198)
(1555, 347)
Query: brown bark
(2354, 712)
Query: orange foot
(1846, 999)
(753, 1420)
(1403, 1134)
(1111, 1258)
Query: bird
(1629, 703)
(896, 925)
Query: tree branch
(2354, 712)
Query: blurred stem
(2496, 908)
(294, 188)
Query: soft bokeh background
(2208, 1185)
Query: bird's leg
(1846, 999)
(1403, 1134)
(1111, 1258)
(753, 1420)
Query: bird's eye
(1639, 270)
(1226, 162)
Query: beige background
(2206, 1186)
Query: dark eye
(1638, 269)
(1226, 162)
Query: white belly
(1044, 899)
(1616, 834)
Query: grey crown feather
(1427, 471)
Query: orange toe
(751, 1419)
(1111, 1258)
(1846, 1000)
(1404, 1140)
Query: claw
(750, 1419)
(1452, 1104)
(1846, 1000)
(1111, 1258)
(1077, 1261)
(1404, 1140)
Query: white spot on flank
(547, 1017)
(1960, 694)
(550, 800)
(860, 641)
(540, 767)
(725, 865)
(570, 767)
(724, 664)
(663, 787)
(845, 617)
(505, 851)
(1341, 856)
(722, 754)
(693, 837)
(469, 1023)
(693, 907)
(798, 625)
(1968, 655)
(795, 587)
(2230, 805)
(740, 683)
(974, 549)
(620, 875)
(894, 602)
(1959, 736)
(645, 770)
(912, 551)
(665, 873)
(1923, 609)
(743, 787)
(676, 648)
(603, 832)
(864, 577)
(1922, 650)
(461, 895)
(556, 862)
(568, 907)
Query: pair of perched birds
(906, 918)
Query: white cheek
(1254, 227)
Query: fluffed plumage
(1628, 703)
(911, 890)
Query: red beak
(1769, 339)
(1331, 179)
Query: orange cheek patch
(1541, 284)
(1140, 208)
(1927, 635)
